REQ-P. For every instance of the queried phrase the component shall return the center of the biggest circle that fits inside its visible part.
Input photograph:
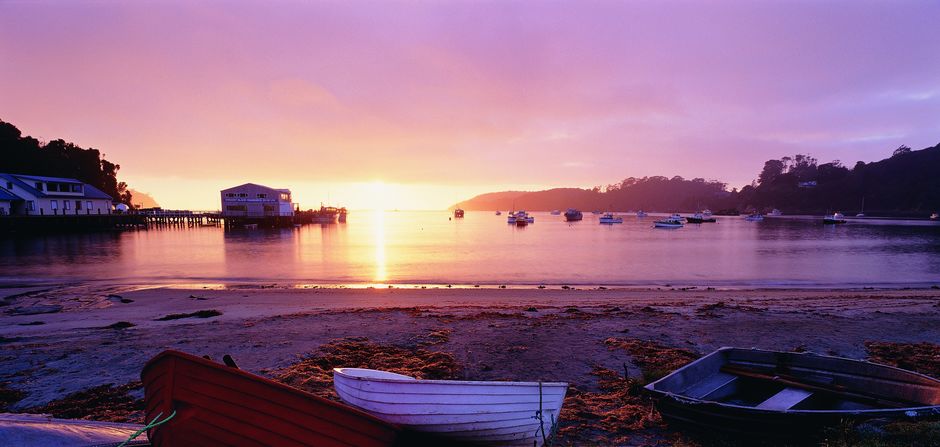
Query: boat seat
(786, 399)
(708, 386)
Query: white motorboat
(609, 218)
(573, 215)
(834, 219)
(556, 212)
(701, 217)
(483, 413)
(775, 213)
(641, 213)
(754, 217)
(674, 221)
(934, 216)
(514, 217)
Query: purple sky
(447, 99)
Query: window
(236, 208)
(30, 205)
(39, 186)
(76, 188)
(262, 196)
(54, 204)
(10, 186)
(88, 204)
(285, 197)
(230, 194)
(68, 205)
(78, 205)
(243, 194)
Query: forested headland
(905, 184)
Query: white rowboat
(486, 413)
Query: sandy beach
(60, 340)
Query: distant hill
(907, 183)
(142, 200)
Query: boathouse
(256, 201)
(33, 195)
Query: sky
(421, 104)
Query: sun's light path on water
(380, 199)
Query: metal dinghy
(758, 392)
(478, 412)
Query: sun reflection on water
(378, 224)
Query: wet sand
(577, 336)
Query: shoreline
(104, 334)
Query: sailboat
(861, 213)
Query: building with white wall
(35, 195)
(251, 200)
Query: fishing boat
(482, 413)
(701, 217)
(674, 221)
(775, 213)
(217, 405)
(934, 216)
(514, 217)
(641, 213)
(458, 213)
(834, 219)
(342, 215)
(555, 212)
(754, 217)
(769, 392)
(609, 218)
(41, 430)
(521, 221)
(573, 215)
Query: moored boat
(38, 430)
(934, 216)
(499, 213)
(674, 221)
(218, 405)
(609, 218)
(775, 213)
(514, 217)
(482, 413)
(786, 393)
(754, 217)
(573, 215)
(641, 213)
(701, 217)
(458, 213)
(555, 212)
(834, 218)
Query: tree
(772, 169)
(901, 150)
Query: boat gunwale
(681, 398)
(446, 382)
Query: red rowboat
(219, 405)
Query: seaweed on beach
(101, 403)
(609, 416)
(315, 373)
(198, 314)
(919, 357)
(653, 359)
(9, 396)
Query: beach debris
(9, 396)
(119, 325)
(315, 372)
(918, 357)
(101, 403)
(198, 314)
(654, 360)
(435, 337)
(531, 309)
(33, 323)
(119, 299)
(9, 339)
(35, 309)
(198, 298)
(608, 416)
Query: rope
(155, 423)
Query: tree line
(57, 158)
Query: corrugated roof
(43, 178)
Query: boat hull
(709, 393)
(481, 413)
(216, 405)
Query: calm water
(426, 247)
